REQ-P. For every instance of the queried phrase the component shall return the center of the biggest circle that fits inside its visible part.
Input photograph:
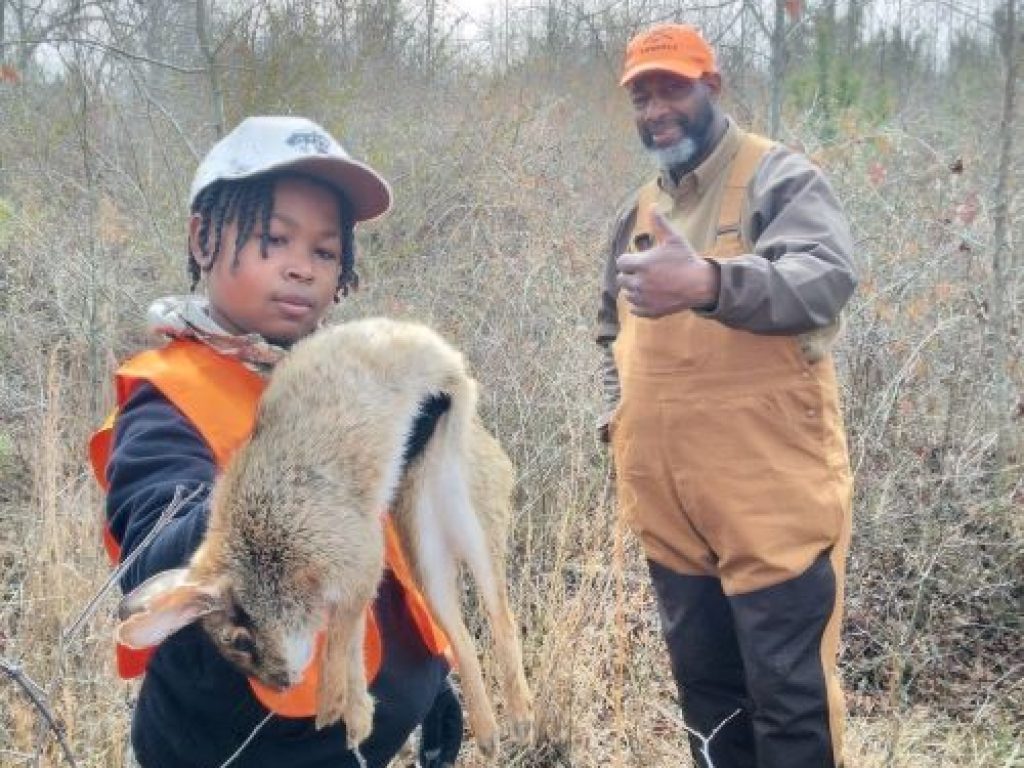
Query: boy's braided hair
(242, 201)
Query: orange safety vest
(219, 396)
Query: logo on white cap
(309, 141)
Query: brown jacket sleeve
(800, 273)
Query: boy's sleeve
(156, 452)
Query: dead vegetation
(505, 185)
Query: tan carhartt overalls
(731, 462)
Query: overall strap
(748, 158)
(646, 197)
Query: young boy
(273, 209)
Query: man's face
(674, 115)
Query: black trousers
(759, 653)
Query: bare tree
(778, 65)
(210, 59)
(35, 23)
(1001, 256)
(825, 53)
(431, 13)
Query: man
(724, 283)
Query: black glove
(441, 734)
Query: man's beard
(676, 155)
(681, 155)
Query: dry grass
(495, 240)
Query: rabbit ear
(139, 598)
(161, 606)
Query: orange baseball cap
(677, 49)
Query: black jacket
(194, 708)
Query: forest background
(509, 146)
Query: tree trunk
(741, 58)
(431, 10)
(25, 48)
(343, 32)
(778, 65)
(825, 55)
(854, 17)
(3, 60)
(1001, 253)
(216, 97)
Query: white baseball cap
(276, 143)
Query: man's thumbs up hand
(664, 232)
(670, 277)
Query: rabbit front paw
(358, 717)
(331, 700)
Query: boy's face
(281, 297)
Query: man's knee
(697, 624)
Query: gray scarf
(188, 317)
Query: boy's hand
(668, 278)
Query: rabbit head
(260, 605)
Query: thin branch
(884, 409)
(144, 90)
(230, 28)
(165, 517)
(36, 694)
(758, 17)
(716, 41)
(971, 14)
(234, 755)
(109, 49)
(61, 19)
